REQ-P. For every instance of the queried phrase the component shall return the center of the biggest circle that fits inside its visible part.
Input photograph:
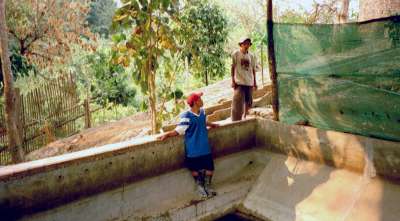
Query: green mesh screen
(341, 77)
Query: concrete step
(222, 111)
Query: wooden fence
(50, 111)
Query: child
(193, 125)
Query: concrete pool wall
(145, 179)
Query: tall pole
(271, 61)
(11, 106)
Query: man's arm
(180, 129)
(255, 81)
(171, 133)
(254, 72)
(211, 124)
(233, 72)
(233, 76)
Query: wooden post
(48, 133)
(271, 61)
(11, 114)
(18, 109)
(86, 105)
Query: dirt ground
(122, 130)
(126, 128)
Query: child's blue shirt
(194, 128)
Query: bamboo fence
(48, 112)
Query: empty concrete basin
(264, 170)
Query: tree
(330, 11)
(99, 77)
(293, 16)
(19, 65)
(371, 9)
(11, 108)
(204, 40)
(43, 31)
(343, 14)
(147, 34)
(100, 16)
(244, 17)
(249, 14)
(167, 86)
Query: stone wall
(371, 9)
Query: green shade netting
(341, 77)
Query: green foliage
(112, 112)
(204, 34)
(111, 83)
(100, 16)
(19, 64)
(169, 87)
(104, 80)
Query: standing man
(243, 80)
(193, 124)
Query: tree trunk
(206, 71)
(151, 82)
(271, 61)
(344, 12)
(206, 77)
(262, 63)
(11, 108)
(153, 102)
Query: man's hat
(243, 40)
(193, 97)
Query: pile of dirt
(114, 132)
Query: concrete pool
(264, 169)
